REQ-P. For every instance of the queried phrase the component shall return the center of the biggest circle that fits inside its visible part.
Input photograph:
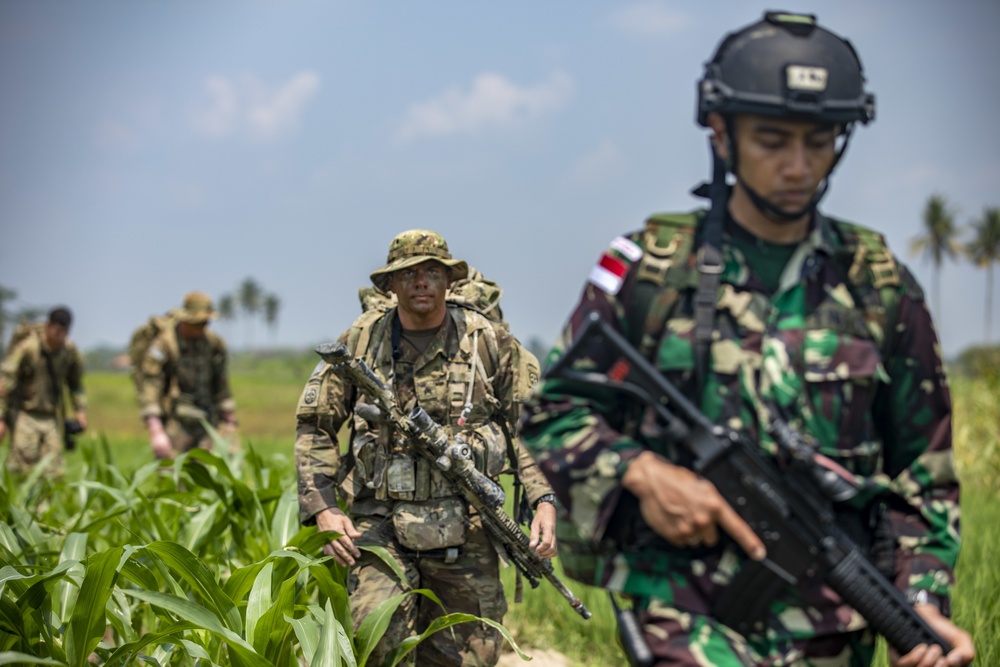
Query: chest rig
(668, 267)
(452, 380)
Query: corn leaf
(87, 625)
(258, 603)
(192, 570)
(15, 658)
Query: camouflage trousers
(33, 437)
(469, 585)
(681, 639)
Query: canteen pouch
(437, 523)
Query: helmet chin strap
(769, 210)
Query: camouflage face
(420, 291)
(414, 247)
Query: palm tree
(227, 308)
(272, 304)
(939, 241)
(984, 250)
(249, 298)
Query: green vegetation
(203, 559)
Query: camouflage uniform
(871, 393)
(182, 381)
(31, 405)
(397, 499)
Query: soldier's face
(420, 289)
(192, 330)
(55, 336)
(784, 161)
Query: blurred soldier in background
(182, 381)
(40, 364)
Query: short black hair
(61, 316)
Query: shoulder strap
(874, 275)
(664, 269)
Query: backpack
(142, 338)
(23, 330)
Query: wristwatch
(917, 596)
(547, 498)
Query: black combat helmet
(786, 65)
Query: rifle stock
(790, 510)
(453, 458)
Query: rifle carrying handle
(854, 579)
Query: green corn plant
(196, 561)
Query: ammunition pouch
(489, 447)
(430, 525)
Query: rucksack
(23, 330)
(143, 337)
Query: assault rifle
(791, 510)
(453, 458)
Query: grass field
(267, 401)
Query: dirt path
(540, 658)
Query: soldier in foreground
(762, 307)
(34, 375)
(471, 376)
(182, 378)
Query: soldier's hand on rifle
(342, 549)
(684, 508)
(543, 530)
(962, 652)
(158, 439)
(81, 417)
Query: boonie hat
(197, 308)
(413, 247)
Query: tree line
(248, 301)
(940, 241)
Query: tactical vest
(461, 400)
(668, 267)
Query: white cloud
(604, 163)
(650, 18)
(249, 106)
(491, 100)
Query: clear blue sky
(151, 148)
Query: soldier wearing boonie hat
(184, 381)
(197, 309)
(471, 376)
(414, 247)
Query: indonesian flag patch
(609, 274)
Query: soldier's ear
(720, 135)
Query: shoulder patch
(157, 354)
(609, 273)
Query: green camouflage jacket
(813, 350)
(469, 349)
(25, 382)
(185, 379)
